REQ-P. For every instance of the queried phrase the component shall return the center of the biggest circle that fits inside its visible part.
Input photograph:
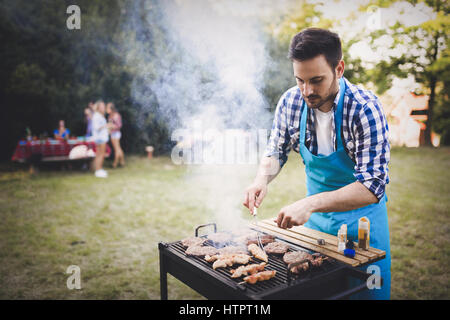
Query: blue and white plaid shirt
(364, 128)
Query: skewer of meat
(246, 270)
(260, 276)
(257, 252)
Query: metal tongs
(255, 213)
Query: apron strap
(338, 115)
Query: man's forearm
(350, 197)
(268, 170)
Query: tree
(420, 50)
(51, 73)
(301, 15)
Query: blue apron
(328, 173)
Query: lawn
(110, 228)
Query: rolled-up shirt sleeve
(372, 149)
(279, 144)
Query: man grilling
(341, 133)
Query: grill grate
(275, 263)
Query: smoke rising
(207, 73)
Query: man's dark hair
(312, 42)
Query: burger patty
(276, 247)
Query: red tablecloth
(50, 148)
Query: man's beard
(330, 97)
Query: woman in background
(115, 124)
(88, 112)
(62, 132)
(100, 136)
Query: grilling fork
(255, 213)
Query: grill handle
(205, 225)
(356, 273)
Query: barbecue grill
(328, 281)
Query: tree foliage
(420, 50)
(51, 73)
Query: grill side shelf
(284, 235)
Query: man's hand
(254, 195)
(294, 214)
(268, 169)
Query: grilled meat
(232, 250)
(315, 260)
(276, 247)
(192, 241)
(257, 252)
(295, 257)
(200, 251)
(260, 276)
(246, 270)
(227, 260)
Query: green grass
(110, 228)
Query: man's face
(317, 81)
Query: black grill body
(329, 281)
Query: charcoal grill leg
(162, 276)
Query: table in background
(51, 149)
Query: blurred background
(165, 65)
(396, 48)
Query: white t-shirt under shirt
(323, 122)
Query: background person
(88, 113)
(62, 132)
(115, 124)
(100, 136)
